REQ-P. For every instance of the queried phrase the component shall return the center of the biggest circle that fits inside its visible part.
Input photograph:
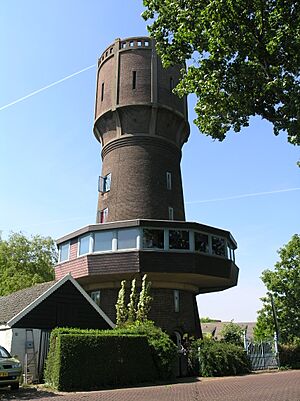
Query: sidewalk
(275, 386)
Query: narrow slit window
(171, 84)
(171, 213)
(176, 300)
(169, 180)
(102, 91)
(133, 79)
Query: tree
(122, 312)
(132, 306)
(244, 60)
(144, 304)
(25, 261)
(283, 283)
(232, 333)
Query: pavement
(273, 386)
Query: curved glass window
(153, 239)
(218, 246)
(201, 243)
(127, 238)
(103, 241)
(179, 239)
(84, 244)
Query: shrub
(289, 354)
(87, 361)
(215, 358)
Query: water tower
(140, 226)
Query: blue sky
(50, 160)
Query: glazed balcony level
(169, 251)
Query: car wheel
(15, 386)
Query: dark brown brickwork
(142, 126)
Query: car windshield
(4, 353)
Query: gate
(263, 355)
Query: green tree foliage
(284, 283)
(232, 333)
(144, 304)
(139, 304)
(132, 306)
(121, 309)
(25, 261)
(244, 59)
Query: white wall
(6, 337)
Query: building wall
(162, 309)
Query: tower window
(104, 183)
(171, 213)
(179, 239)
(171, 84)
(84, 244)
(169, 180)
(102, 91)
(133, 79)
(64, 252)
(95, 295)
(176, 300)
(104, 215)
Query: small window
(106, 54)
(176, 300)
(104, 183)
(127, 238)
(95, 295)
(153, 239)
(171, 213)
(64, 251)
(201, 243)
(139, 43)
(169, 180)
(102, 91)
(123, 45)
(84, 244)
(146, 43)
(131, 43)
(104, 215)
(218, 246)
(103, 241)
(133, 79)
(111, 50)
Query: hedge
(289, 355)
(93, 361)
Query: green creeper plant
(144, 304)
(132, 306)
(122, 313)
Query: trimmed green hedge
(92, 361)
(216, 358)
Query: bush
(289, 354)
(215, 358)
(88, 361)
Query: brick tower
(140, 226)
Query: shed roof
(16, 307)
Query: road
(275, 386)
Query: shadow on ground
(25, 393)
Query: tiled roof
(215, 328)
(12, 304)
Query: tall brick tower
(142, 126)
(141, 225)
